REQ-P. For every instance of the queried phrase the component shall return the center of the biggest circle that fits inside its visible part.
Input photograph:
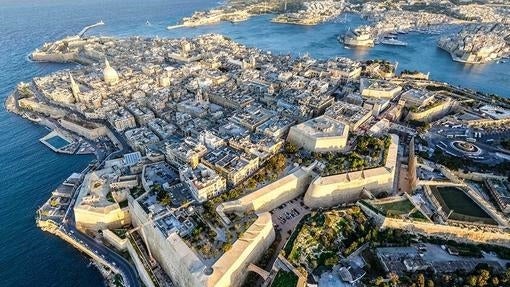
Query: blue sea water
(29, 171)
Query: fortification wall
(31, 104)
(88, 217)
(231, 268)
(272, 195)
(144, 275)
(340, 190)
(347, 187)
(91, 134)
(175, 257)
(433, 113)
(113, 239)
(318, 144)
(468, 235)
(58, 58)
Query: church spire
(75, 89)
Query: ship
(389, 40)
(360, 37)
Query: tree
(290, 148)
(472, 280)
(379, 281)
(495, 281)
(393, 278)
(420, 280)
(484, 277)
(166, 200)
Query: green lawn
(396, 207)
(285, 279)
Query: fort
(348, 187)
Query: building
(186, 151)
(351, 272)
(376, 105)
(495, 112)
(258, 145)
(349, 187)
(351, 114)
(416, 98)
(97, 205)
(140, 138)
(143, 115)
(321, 134)
(161, 128)
(110, 76)
(344, 68)
(233, 164)
(379, 88)
(203, 182)
(251, 117)
(500, 191)
(276, 127)
(122, 120)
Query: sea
(29, 171)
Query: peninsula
(225, 165)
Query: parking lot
(287, 216)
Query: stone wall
(57, 58)
(96, 218)
(461, 234)
(113, 239)
(144, 275)
(231, 268)
(433, 113)
(348, 187)
(175, 257)
(89, 133)
(272, 195)
(187, 270)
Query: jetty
(85, 29)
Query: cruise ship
(360, 37)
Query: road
(68, 226)
(127, 271)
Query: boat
(360, 37)
(392, 41)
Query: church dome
(110, 76)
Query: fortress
(183, 264)
(270, 196)
(348, 187)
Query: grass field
(396, 207)
(285, 279)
